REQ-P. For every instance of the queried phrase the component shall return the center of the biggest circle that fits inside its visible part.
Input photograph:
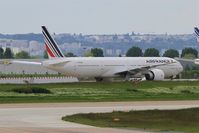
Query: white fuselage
(106, 67)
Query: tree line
(152, 52)
(97, 52)
(8, 54)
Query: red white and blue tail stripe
(51, 46)
(196, 30)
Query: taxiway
(41, 118)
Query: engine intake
(155, 74)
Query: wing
(139, 69)
(58, 62)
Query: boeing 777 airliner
(196, 30)
(105, 68)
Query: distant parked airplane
(106, 68)
(196, 30)
(197, 33)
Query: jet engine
(155, 74)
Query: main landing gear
(98, 79)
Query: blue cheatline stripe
(50, 47)
(197, 32)
(46, 39)
(45, 33)
(52, 42)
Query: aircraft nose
(180, 67)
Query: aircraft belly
(91, 72)
(83, 71)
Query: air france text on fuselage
(158, 61)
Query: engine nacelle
(155, 74)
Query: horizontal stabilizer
(25, 62)
(58, 62)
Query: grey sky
(99, 16)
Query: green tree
(134, 52)
(186, 51)
(171, 53)
(151, 52)
(70, 55)
(8, 54)
(22, 55)
(45, 54)
(97, 52)
(1, 53)
(189, 56)
(88, 54)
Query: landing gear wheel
(98, 79)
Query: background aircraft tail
(51, 46)
(196, 30)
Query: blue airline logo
(196, 32)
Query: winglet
(51, 46)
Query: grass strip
(102, 92)
(185, 120)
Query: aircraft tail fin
(51, 46)
(196, 30)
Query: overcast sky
(99, 16)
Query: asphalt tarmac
(46, 118)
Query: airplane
(196, 30)
(106, 68)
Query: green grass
(105, 91)
(186, 120)
(31, 90)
